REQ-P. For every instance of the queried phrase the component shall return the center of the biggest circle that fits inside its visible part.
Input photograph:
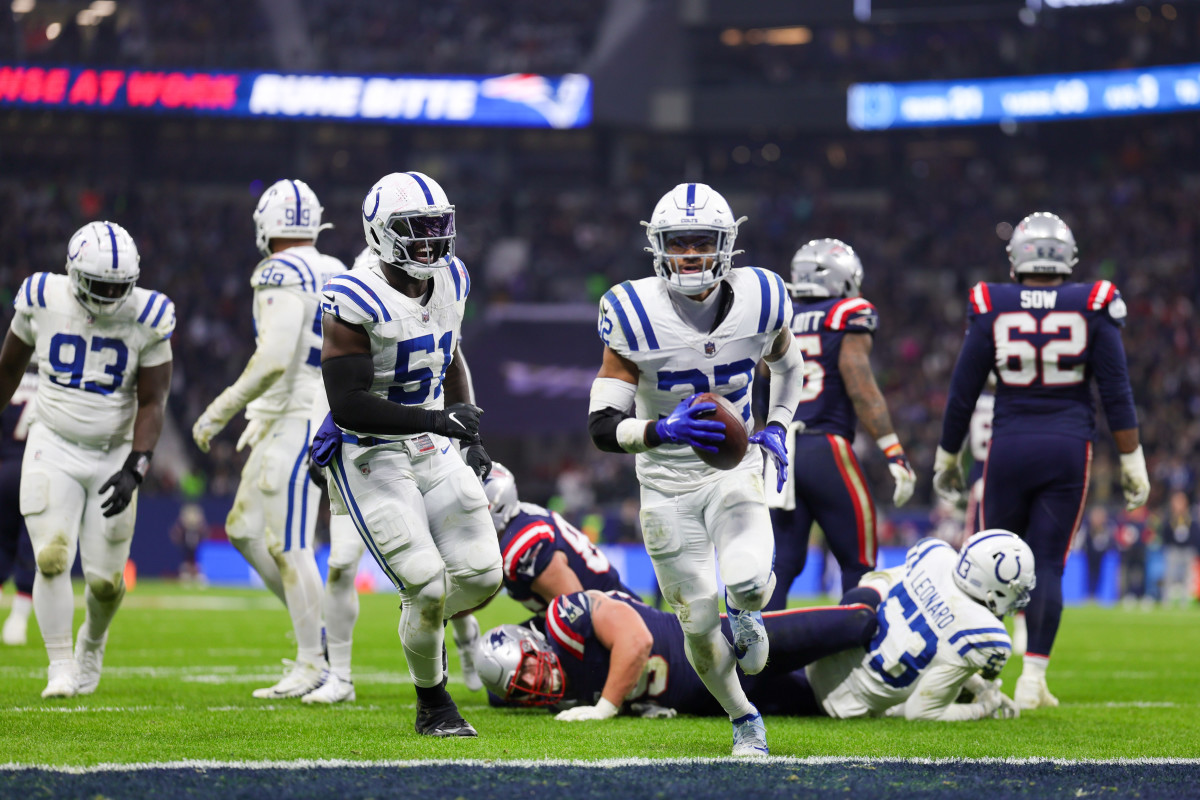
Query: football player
(274, 513)
(104, 370)
(346, 549)
(701, 326)
(16, 551)
(544, 555)
(399, 392)
(834, 327)
(1045, 339)
(906, 642)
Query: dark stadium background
(548, 219)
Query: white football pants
(60, 499)
(681, 532)
(425, 521)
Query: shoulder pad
(774, 305)
(460, 279)
(624, 324)
(351, 299)
(521, 541)
(563, 619)
(284, 270)
(1105, 295)
(158, 314)
(852, 314)
(979, 300)
(32, 292)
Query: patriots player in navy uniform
(834, 328)
(16, 551)
(543, 554)
(1045, 339)
(640, 657)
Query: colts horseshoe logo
(374, 210)
(999, 561)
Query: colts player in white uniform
(399, 392)
(104, 364)
(939, 631)
(700, 326)
(274, 513)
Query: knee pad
(699, 616)
(420, 569)
(53, 558)
(751, 594)
(104, 589)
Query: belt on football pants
(366, 441)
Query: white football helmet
(691, 233)
(409, 223)
(501, 489)
(102, 262)
(1041, 244)
(995, 567)
(288, 209)
(826, 268)
(518, 665)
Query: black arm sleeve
(602, 425)
(348, 385)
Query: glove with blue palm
(773, 439)
(685, 425)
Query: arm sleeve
(1112, 376)
(348, 385)
(975, 361)
(281, 318)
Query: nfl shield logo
(424, 315)
(710, 349)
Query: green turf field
(181, 664)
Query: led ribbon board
(517, 100)
(879, 106)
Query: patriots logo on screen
(710, 349)
(561, 107)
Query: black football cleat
(443, 720)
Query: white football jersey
(88, 365)
(301, 271)
(674, 360)
(411, 344)
(928, 629)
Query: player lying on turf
(930, 624)
(544, 555)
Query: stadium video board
(517, 100)
(880, 106)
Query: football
(732, 449)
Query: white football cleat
(750, 736)
(466, 656)
(1032, 692)
(89, 656)
(301, 679)
(333, 690)
(15, 629)
(750, 643)
(64, 678)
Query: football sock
(255, 551)
(100, 612)
(21, 606)
(421, 631)
(866, 595)
(341, 612)
(464, 628)
(720, 677)
(302, 588)
(54, 606)
(1035, 666)
(434, 695)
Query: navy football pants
(1035, 485)
(16, 551)
(830, 490)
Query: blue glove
(326, 443)
(686, 426)
(773, 439)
